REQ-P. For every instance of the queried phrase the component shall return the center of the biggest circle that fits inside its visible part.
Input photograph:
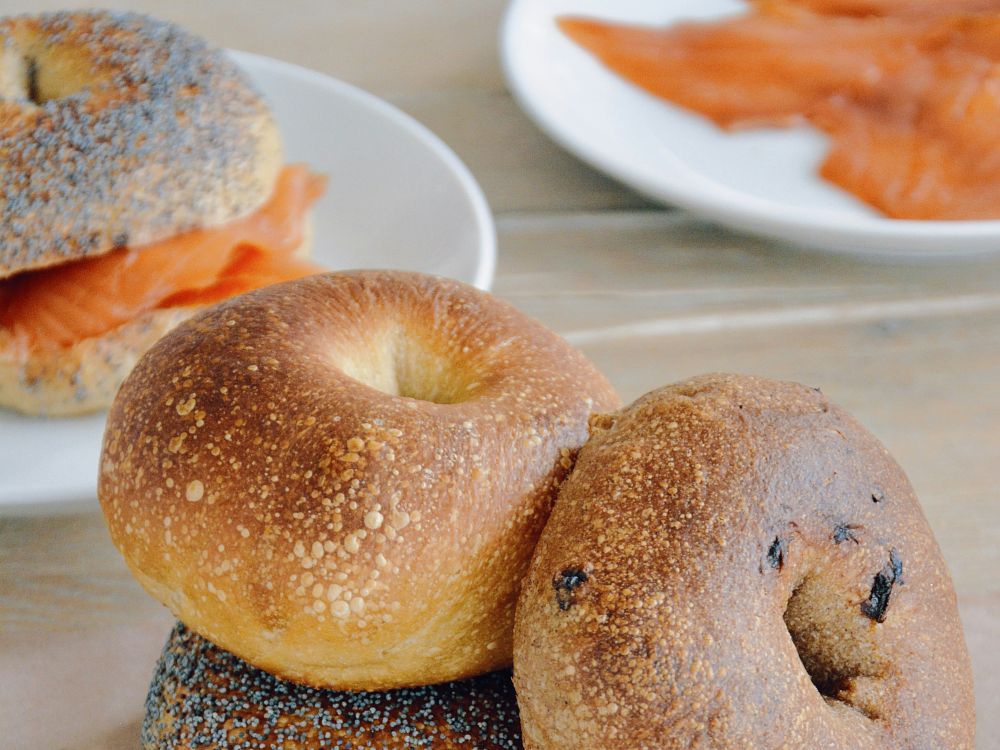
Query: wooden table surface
(651, 294)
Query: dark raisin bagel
(736, 563)
(204, 697)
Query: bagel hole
(36, 76)
(405, 366)
(837, 649)
(19, 79)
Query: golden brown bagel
(341, 479)
(115, 129)
(203, 697)
(736, 563)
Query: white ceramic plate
(762, 181)
(397, 198)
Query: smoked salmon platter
(395, 197)
(857, 126)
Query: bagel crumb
(195, 491)
(373, 519)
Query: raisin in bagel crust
(206, 698)
(341, 479)
(737, 563)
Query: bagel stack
(339, 481)
(342, 486)
(136, 163)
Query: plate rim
(487, 247)
(78, 499)
(739, 209)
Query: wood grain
(519, 168)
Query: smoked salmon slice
(59, 306)
(907, 90)
(749, 71)
(911, 8)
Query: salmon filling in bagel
(59, 306)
